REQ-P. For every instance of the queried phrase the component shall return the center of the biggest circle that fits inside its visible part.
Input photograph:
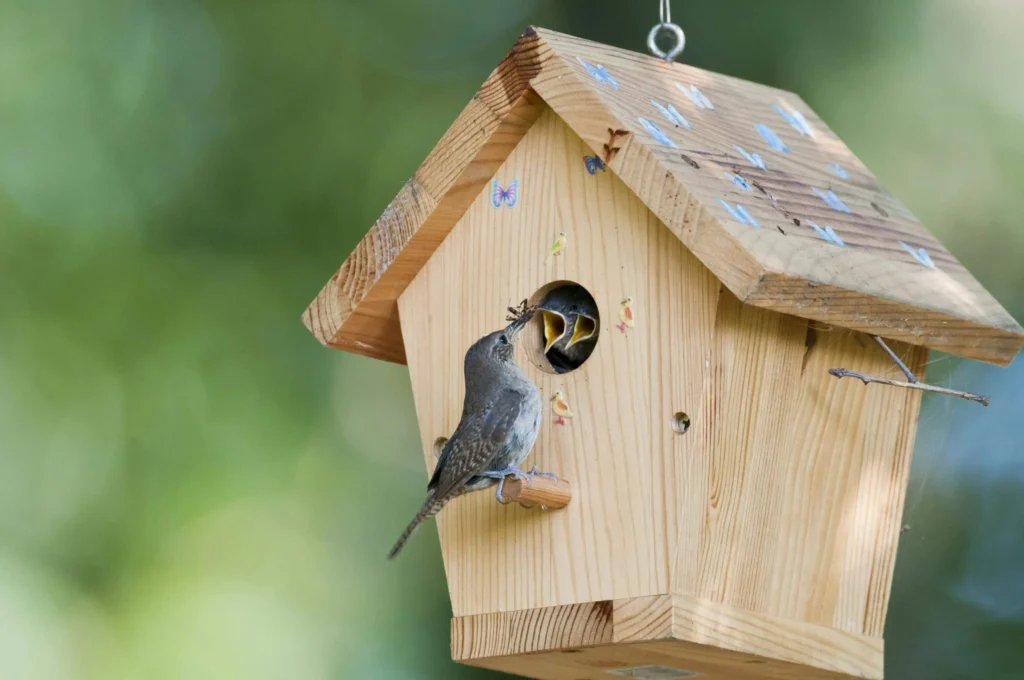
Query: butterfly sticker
(671, 114)
(919, 254)
(773, 140)
(696, 96)
(752, 158)
(599, 72)
(507, 196)
(828, 233)
(657, 133)
(796, 120)
(593, 164)
(740, 214)
(832, 200)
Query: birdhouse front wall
(779, 506)
(618, 450)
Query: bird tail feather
(430, 508)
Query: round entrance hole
(563, 333)
(439, 446)
(680, 422)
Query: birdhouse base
(660, 637)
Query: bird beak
(584, 329)
(554, 328)
(519, 322)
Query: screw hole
(439, 446)
(680, 422)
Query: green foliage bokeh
(190, 487)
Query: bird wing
(477, 441)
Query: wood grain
(357, 310)
(782, 501)
(530, 631)
(616, 537)
(543, 492)
(718, 641)
(871, 284)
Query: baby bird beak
(554, 328)
(584, 329)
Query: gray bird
(500, 421)
(570, 327)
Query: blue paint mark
(752, 158)
(828, 234)
(771, 138)
(694, 94)
(599, 72)
(838, 170)
(657, 133)
(833, 201)
(740, 214)
(795, 119)
(672, 115)
(919, 254)
(738, 181)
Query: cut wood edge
(541, 492)
(654, 618)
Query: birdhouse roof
(748, 177)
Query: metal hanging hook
(666, 26)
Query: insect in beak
(519, 316)
(584, 329)
(554, 328)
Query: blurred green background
(191, 487)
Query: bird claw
(501, 475)
(535, 472)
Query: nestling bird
(570, 327)
(561, 407)
(500, 420)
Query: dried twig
(899, 362)
(846, 373)
(912, 381)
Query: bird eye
(503, 340)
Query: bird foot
(621, 327)
(559, 420)
(535, 472)
(501, 475)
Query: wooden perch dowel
(542, 491)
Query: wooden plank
(357, 310)
(642, 619)
(616, 538)
(794, 498)
(718, 641)
(808, 645)
(870, 283)
(532, 630)
(889, 277)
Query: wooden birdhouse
(735, 508)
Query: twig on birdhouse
(912, 381)
(899, 362)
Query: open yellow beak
(584, 329)
(554, 328)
